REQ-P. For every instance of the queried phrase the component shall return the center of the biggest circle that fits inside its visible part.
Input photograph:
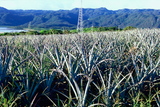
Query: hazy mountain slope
(141, 18)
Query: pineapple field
(97, 69)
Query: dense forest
(67, 19)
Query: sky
(70, 4)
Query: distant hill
(100, 17)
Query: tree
(33, 33)
(129, 28)
(44, 32)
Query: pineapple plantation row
(104, 69)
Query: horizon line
(86, 8)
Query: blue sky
(70, 4)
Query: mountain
(99, 17)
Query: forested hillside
(67, 19)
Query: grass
(113, 69)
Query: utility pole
(80, 20)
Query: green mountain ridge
(67, 19)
